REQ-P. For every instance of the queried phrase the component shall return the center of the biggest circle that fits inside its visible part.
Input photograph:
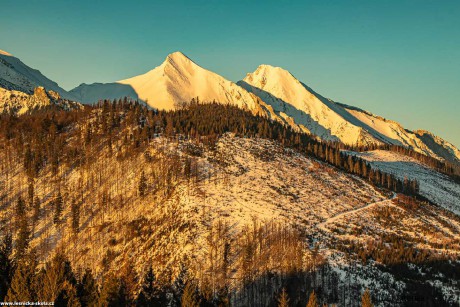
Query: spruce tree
(366, 300)
(57, 208)
(22, 241)
(190, 296)
(113, 292)
(75, 213)
(130, 280)
(22, 287)
(57, 277)
(142, 185)
(67, 296)
(6, 264)
(30, 192)
(151, 294)
(312, 300)
(36, 210)
(87, 289)
(283, 300)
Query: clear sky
(398, 59)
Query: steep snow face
(176, 80)
(322, 117)
(15, 75)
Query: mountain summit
(177, 79)
(286, 94)
(334, 121)
(270, 91)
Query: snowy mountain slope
(439, 146)
(335, 121)
(278, 88)
(435, 186)
(16, 75)
(18, 102)
(420, 140)
(177, 79)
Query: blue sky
(397, 59)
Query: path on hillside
(342, 214)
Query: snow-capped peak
(178, 57)
(334, 121)
(177, 79)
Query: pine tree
(190, 296)
(312, 300)
(142, 185)
(366, 300)
(283, 300)
(6, 264)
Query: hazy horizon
(399, 60)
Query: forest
(269, 264)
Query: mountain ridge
(268, 91)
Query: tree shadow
(330, 288)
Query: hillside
(202, 198)
(436, 187)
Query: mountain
(270, 91)
(239, 216)
(15, 75)
(18, 103)
(321, 117)
(25, 90)
(335, 121)
(178, 79)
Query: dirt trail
(342, 214)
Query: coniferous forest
(92, 215)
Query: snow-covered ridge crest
(177, 79)
(335, 121)
(269, 91)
